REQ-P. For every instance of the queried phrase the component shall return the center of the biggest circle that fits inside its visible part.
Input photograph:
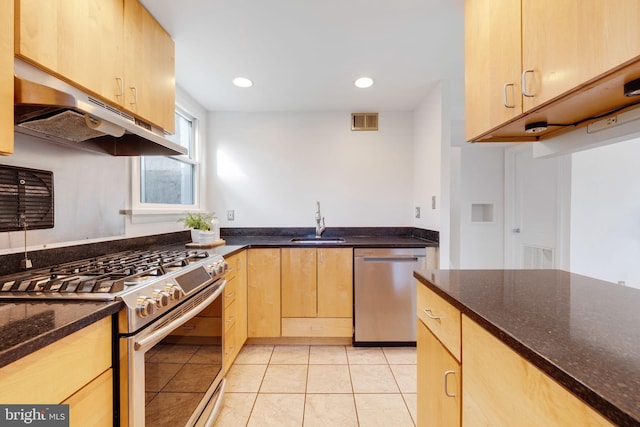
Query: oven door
(171, 371)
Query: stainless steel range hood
(51, 109)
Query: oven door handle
(153, 338)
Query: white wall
(427, 162)
(89, 190)
(433, 169)
(605, 212)
(481, 182)
(271, 168)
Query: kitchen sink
(314, 240)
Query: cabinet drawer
(229, 345)
(55, 372)
(232, 271)
(318, 327)
(441, 318)
(229, 316)
(92, 404)
(230, 292)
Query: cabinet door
(6, 77)
(240, 264)
(335, 282)
(263, 293)
(55, 372)
(568, 43)
(492, 64)
(502, 389)
(439, 386)
(80, 40)
(299, 282)
(148, 67)
(83, 408)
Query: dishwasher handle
(411, 258)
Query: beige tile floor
(325, 386)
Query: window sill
(146, 215)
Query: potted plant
(198, 223)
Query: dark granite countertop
(582, 332)
(29, 326)
(382, 237)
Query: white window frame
(139, 208)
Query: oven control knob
(219, 269)
(173, 291)
(225, 266)
(161, 298)
(214, 269)
(145, 306)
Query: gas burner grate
(105, 274)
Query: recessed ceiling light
(364, 82)
(242, 82)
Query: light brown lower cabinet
(263, 293)
(500, 388)
(86, 411)
(75, 370)
(317, 292)
(317, 327)
(439, 385)
(235, 308)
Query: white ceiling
(303, 55)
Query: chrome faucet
(319, 228)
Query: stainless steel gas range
(170, 366)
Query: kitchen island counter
(580, 331)
(26, 327)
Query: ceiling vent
(364, 121)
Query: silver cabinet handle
(524, 83)
(121, 84)
(427, 311)
(135, 95)
(446, 391)
(516, 230)
(504, 95)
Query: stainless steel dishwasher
(385, 295)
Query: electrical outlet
(231, 215)
(602, 124)
(417, 211)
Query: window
(170, 182)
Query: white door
(533, 199)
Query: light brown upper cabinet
(561, 62)
(6, 77)
(570, 42)
(493, 64)
(149, 67)
(103, 47)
